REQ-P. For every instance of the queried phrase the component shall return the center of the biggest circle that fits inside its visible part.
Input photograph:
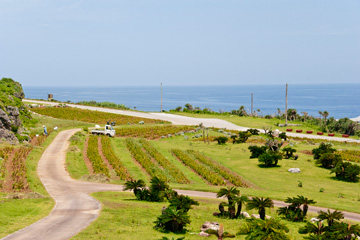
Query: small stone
(294, 170)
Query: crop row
(95, 158)
(115, 162)
(199, 168)
(141, 157)
(165, 163)
(226, 173)
(152, 132)
(18, 174)
(85, 115)
(350, 155)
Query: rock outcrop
(12, 110)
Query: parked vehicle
(108, 131)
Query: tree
(269, 229)
(221, 140)
(346, 171)
(304, 201)
(240, 200)
(317, 228)
(260, 204)
(256, 151)
(270, 159)
(323, 148)
(172, 220)
(329, 160)
(289, 152)
(230, 193)
(135, 185)
(220, 234)
(330, 217)
(189, 107)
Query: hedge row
(199, 168)
(226, 173)
(115, 162)
(166, 164)
(141, 157)
(95, 158)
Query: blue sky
(179, 42)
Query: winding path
(75, 209)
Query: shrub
(253, 131)
(256, 151)
(323, 148)
(172, 220)
(288, 152)
(270, 159)
(221, 140)
(346, 171)
(328, 160)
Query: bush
(323, 148)
(270, 159)
(221, 140)
(328, 160)
(253, 131)
(172, 220)
(346, 171)
(256, 151)
(288, 152)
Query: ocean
(340, 100)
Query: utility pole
(252, 104)
(286, 100)
(161, 97)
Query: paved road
(75, 209)
(182, 120)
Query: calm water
(340, 100)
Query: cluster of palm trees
(293, 212)
(236, 199)
(334, 229)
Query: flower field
(201, 169)
(95, 158)
(152, 132)
(226, 173)
(89, 116)
(115, 162)
(13, 169)
(350, 155)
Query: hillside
(12, 110)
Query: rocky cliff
(12, 110)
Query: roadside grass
(16, 214)
(123, 217)
(75, 164)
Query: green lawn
(122, 217)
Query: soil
(308, 152)
(86, 159)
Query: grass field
(123, 217)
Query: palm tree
(183, 203)
(260, 204)
(271, 229)
(134, 185)
(230, 193)
(313, 228)
(220, 234)
(305, 202)
(240, 200)
(346, 230)
(172, 220)
(330, 216)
